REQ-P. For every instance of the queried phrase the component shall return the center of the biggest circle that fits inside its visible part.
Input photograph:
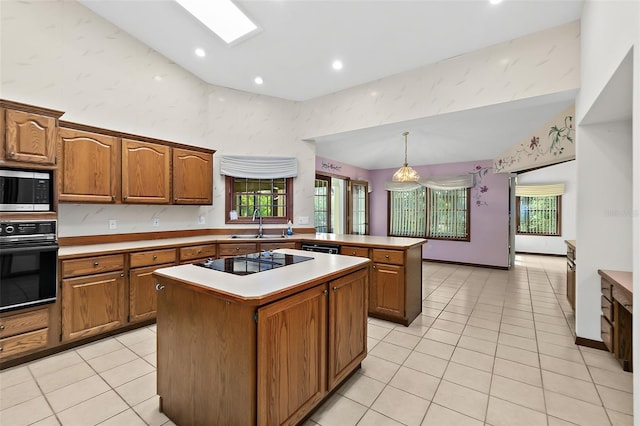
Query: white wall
(74, 61)
(558, 173)
(608, 226)
(534, 65)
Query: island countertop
(265, 286)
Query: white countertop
(265, 283)
(79, 250)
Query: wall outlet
(303, 220)
(113, 224)
(201, 220)
(156, 221)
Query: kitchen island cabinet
(264, 348)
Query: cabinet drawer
(606, 331)
(152, 257)
(92, 265)
(354, 251)
(21, 323)
(275, 246)
(23, 343)
(198, 252)
(623, 298)
(607, 308)
(236, 249)
(606, 289)
(395, 257)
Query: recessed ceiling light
(220, 16)
(200, 52)
(337, 65)
(495, 1)
(157, 78)
(258, 80)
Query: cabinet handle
(159, 287)
(199, 251)
(155, 257)
(124, 198)
(374, 266)
(95, 263)
(353, 253)
(0, 348)
(325, 292)
(1, 327)
(113, 198)
(122, 275)
(386, 256)
(12, 154)
(335, 289)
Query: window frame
(467, 237)
(326, 179)
(558, 217)
(229, 194)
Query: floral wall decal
(478, 190)
(554, 142)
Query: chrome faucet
(257, 213)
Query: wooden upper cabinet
(29, 137)
(146, 172)
(192, 177)
(89, 163)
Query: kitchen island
(264, 347)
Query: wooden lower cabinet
(387, 290)
(92, 305)
(223, 362)
(292, 351)
(142, 293)
(23, 333)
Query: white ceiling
(299, 39)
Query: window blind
(242, 166)
(433, 182)
(540, 190)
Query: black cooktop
(252, 263)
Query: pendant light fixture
(405, 173)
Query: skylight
(220, 16)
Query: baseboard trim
(595, 344)
(542, 254)
(451, 262)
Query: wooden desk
(617, 315)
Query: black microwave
(25, 190)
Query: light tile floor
(491, 347)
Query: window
(322, 204)
(538, 215)
(430, 213)
(448, 214)
(272, 197)
(407, 213)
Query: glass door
(358, 216)
(322, 204)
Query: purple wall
(324, 165)
(489, 243)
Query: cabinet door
(192, 177)
(92, 305)
(387, 290)
(292, 350)
(30, 138)
(143, 299)
(347, 324)
(145, 172)
(90, 167)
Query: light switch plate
(113, 224)
(303, 220)
(156, 221)
(201, 220)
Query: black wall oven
(28, 263)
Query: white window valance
(433, 182)
(540, 190)
(243, 166)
